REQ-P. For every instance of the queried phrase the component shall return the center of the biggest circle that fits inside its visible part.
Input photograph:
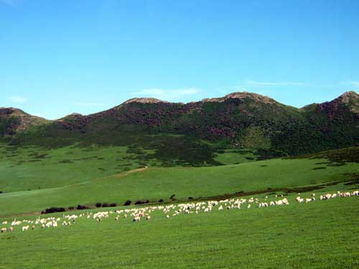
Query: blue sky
(59, 57)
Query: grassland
(321, 234)
(32, 168)
(154, 184)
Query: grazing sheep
(173, 210)
(299, 199)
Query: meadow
(320, 234)
(180, 183)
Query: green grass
(160, 183)
(321, 234)
(231, 156)
(33, 168)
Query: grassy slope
(317, 235)
(161, 183)
(38, 168)
(231, 156)
(32, 168)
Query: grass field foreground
(321, 234)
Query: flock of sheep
(169, 211)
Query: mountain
(237, 120)
(13, 120)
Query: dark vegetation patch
(319, 168)
(82, 207)
(354, 179)
(63, 209)
(336, 157)
(127, 203)
(105, 205)
(86, 158)
(53, 210)
(66, 161)
(141, 202)
(265, 154)
(351, 183)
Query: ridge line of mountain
(345, 97)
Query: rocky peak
(348, 97)
(71, 116)
(144, 101)
(11, 111)
(242, 95)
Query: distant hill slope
(238, 120)
(13, 120)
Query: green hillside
(154, 184)
(193, 132)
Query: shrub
(141, 202)
(81, 207)
(53, 210)
(128, 202)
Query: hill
(200, 129)
(13, 120)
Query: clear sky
(64, 56)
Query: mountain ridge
(239, 119)
(344, 98)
